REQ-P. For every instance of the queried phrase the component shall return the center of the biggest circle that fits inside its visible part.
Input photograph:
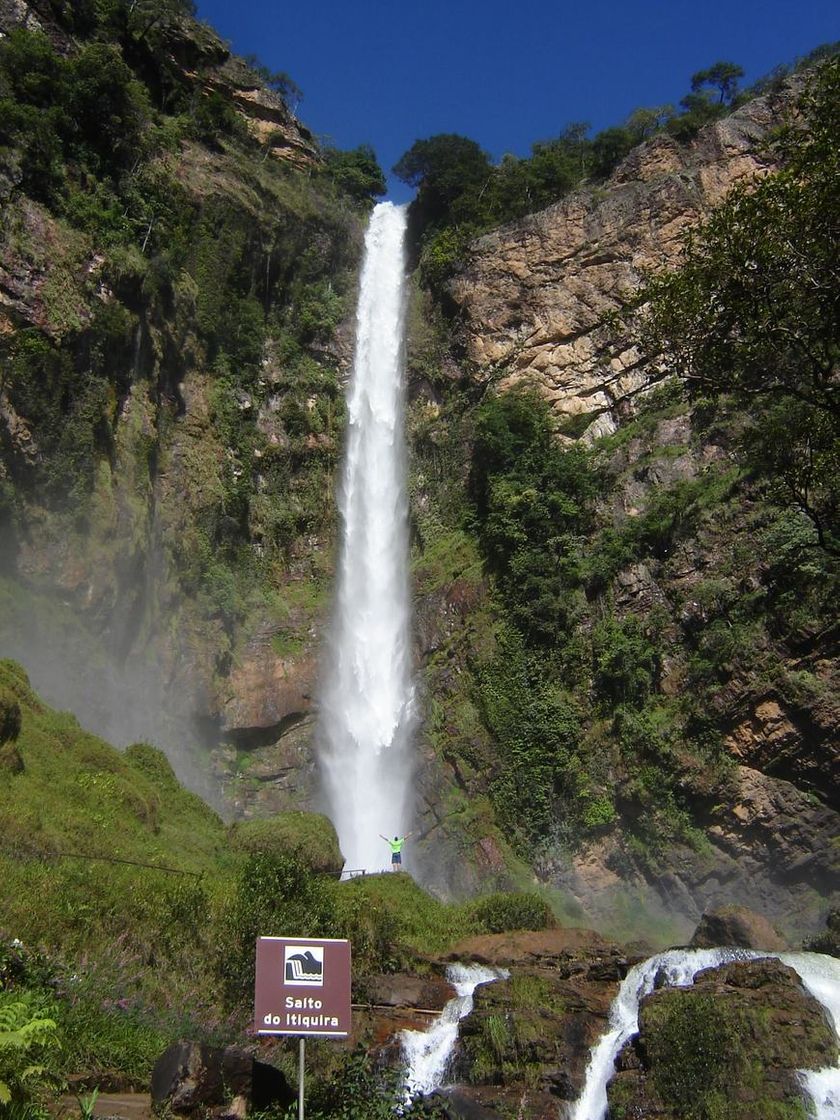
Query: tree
(643, 123)
(144, 15)
(357, 172)
(609, 148)
(754, 309)
(449, 172)
(723, 76)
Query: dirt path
(126, 1106)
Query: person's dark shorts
(396, 857)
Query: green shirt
(396, 846)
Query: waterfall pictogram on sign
(305, 965)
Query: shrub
(309, 837)
(538, 732)
(9, 718)
(625, 662)
(275, 894)
(498, 913)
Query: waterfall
(819, 974)
(427, 1053)
(367, 699)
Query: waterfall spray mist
(367, 698)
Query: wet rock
(828, 940)
(402, 990)
(736, 926)
(555, 948)
(536, 1028)
(267, 693)
(457, 1104)
(771, 848)
(732, 1043)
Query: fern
(27, 1034)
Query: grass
(309, 836)
(78, 794)
(420, 923)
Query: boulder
(530, 1036)
(455, 1104)
(828, 941)
(192, 1079)
(554, 947)
(399, 989)
(727, 926)
(730, 1046)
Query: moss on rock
(726, 1049)
(308, 836)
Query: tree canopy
(723, 76)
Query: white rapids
(819, 974)
(427, 1053)
(367, 700)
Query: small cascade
(427, 1053)
(819, 974)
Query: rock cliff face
(126, 596)
(198, 53)
(532, 297)
(531, 306)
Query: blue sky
(504, 73)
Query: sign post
(302, 988)
(301, 1069)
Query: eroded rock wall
(532, 297)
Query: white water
(818, 973)
(367, 703)
(427, 1053)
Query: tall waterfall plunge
(367, 701)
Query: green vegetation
(708, 1059)
(310, 837)
(597, 670)
(752, 313)
(461, 192)
(131, 914)
(27, 1035)
(171, 370)
(499, 913)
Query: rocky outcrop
(733, 1042)
(796, 741)
(532, 297)
(735, 926)
(770, 848)
(525, 1048)
(269, 119)
(109, 603)
(199, 55)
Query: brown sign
(303, 986)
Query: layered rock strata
(533, 296)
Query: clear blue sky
(504, 72)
